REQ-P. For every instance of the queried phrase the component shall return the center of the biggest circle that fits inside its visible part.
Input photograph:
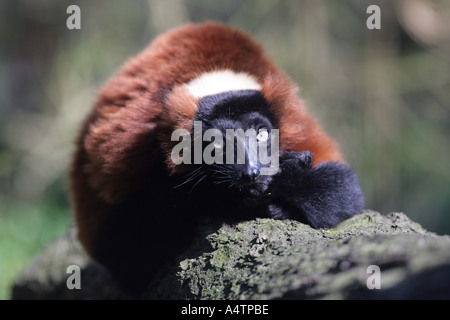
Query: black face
(241, 123)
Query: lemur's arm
(321, 196)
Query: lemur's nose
(251, 174)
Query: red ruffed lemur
(136, 205)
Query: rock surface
(270, 259)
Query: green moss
(220, 257)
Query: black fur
(232, 105)
(321, 197)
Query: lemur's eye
(263, 135)
(218, 144)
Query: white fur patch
(221, 81)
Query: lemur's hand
(321, 196)
(293, 159)
(292, 163)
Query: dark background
(383, 94)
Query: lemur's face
(238, 141)
(239, 152)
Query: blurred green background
(383, 94)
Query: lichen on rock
(278, 259)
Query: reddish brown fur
(137, 110)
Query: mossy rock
(270, 259)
